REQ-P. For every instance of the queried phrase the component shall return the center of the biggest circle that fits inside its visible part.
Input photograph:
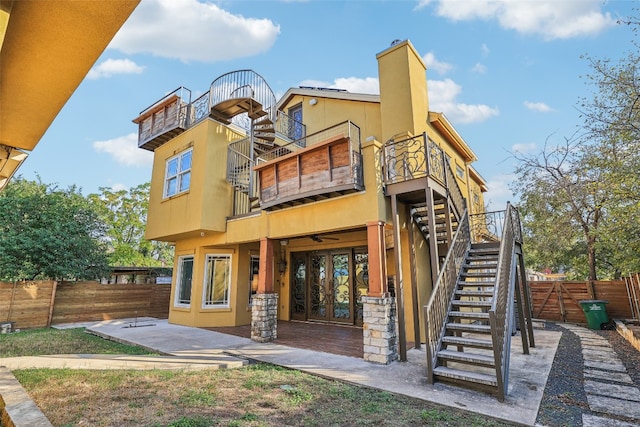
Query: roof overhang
(475, 176)
(46, 50)
(442, 124)
(10, 161)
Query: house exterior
(315, 207)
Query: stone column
(264, 317)
(379, 330)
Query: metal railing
(411, 158)
(500, 313)
(487, 226)
(345, 129)
(166, 114)
(458, 200)
(243, 84)
(437, 309)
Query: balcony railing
(412, 158)
(164, 119)
(330, 163)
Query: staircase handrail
(500, 313)
(458, 200)
(435, 311)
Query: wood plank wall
(560, 300)
(29, 304)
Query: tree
(581, 200)
(125, 214)
(49, 233)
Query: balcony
(330, 165)
(164, 119)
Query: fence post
(52, 303)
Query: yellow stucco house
(323, 206)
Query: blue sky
(506, 73)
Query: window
(459, 172)
(295, 131)
(185, 275)
(254, 270)
(217, 281)
(177, 177)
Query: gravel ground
(564, 400)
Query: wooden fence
(560, 300)
(37, 304)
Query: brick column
(379, 330)
(264, 317)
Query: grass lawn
(258, 395)
(37, 342)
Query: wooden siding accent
(29, 304)
(560, 300)
(322, 168)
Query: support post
(414, 284)
(399, 285)
(377, 260)
(264, 311)
(433, 239)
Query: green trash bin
(595, 312)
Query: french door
(327, 285)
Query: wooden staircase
(467, 347)
(443, 216)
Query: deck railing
(168, 113)
(346, 129)
(436, 310)
(411, 158)
(500, 313)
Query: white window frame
(177, 301)
(179, 176)
(460, 172)
(207, 291)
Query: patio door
(323, 286)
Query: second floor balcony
(330, 164)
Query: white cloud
(550, 19)
(192, 31)
(433, 64)
(114, 66)
(118, 187)
(479, 68)
(125, 151)
(499, 193)
(540, 107)
(443, 97)
(485, 49)
(524, 148)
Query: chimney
(404, 104)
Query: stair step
(468, 342)
(469, 315)
(463, 303)
(478, 284)
(474, 293)
(479, 274)
(469, 327)
(470, 376)
(466, 357)
(483, 266)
